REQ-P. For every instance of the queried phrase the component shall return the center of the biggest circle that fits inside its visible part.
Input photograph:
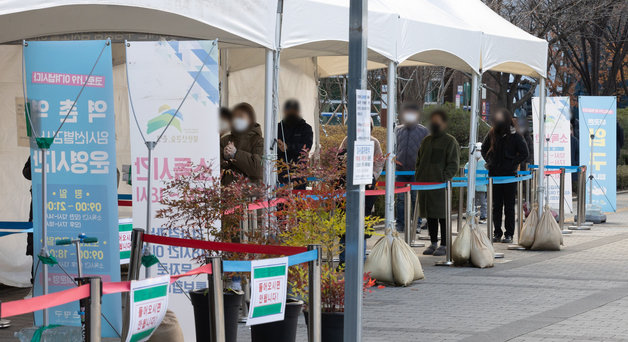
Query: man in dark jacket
(409, 137)
(294, 135)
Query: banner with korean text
(557, 144)
(160, 74)
(81, 167)
(598, 117)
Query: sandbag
(379, 262)
(482, 251)
(169, 330)
(548, 236)
(405, 264)
(529, 228)
(461, 248)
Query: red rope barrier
(24, 306)
(383, 192)
(125, 203)
(224, 246)
(552, 172)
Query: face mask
(435, 128)
(224, 126)
(240, 124)
(410, 117)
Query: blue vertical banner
(80, 168)
(598, 117)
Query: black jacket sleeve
(522, 149)
(485, 147)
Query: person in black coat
(294, 135)
(504, 149)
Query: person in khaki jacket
(438, 160)
(242, 149)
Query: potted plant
(196, 205)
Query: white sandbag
(379, 262)
(461, 248)
(529, 228)
(548, 236)
(402, 264)
(402, 252)
(482, 251)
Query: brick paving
(577, 294)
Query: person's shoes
(423, 224)
(429, 250)
(507, 239)
(482, 220)
(442, 250)
(497, 239)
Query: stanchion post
(561, 205)
(448, 261)
(314, 294)
(415, 222)
(489, 209)
(407, 213)
(581, 212)
(460, 203)
(95, 303)
(215, 297)
(135, 259)
(519, 216)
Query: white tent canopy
(234, 22)
(505, 47)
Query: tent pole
(390, 145)
(541, 169)
(473, 137)
(358, 28)
(269, 118)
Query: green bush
(622, 177)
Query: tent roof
(233, 22)
(505, 47)
(321, 28)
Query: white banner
(160, 74)
(557, 145)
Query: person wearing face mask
(294, 135)
(224, 121)
(437, 161)
(409, 136)
(504, 149)
(242, 149)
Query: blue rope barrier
(479, 172)
(125, 197)
(401, 173)
(15, 227)
(245, 265)
(568, 168)
(429, 187)
(510, 179)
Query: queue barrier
(15, 227)
(568, 168)
(296, 255)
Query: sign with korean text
(557, 145)
(598, 117)
(160, 74)
(80, 169)
(268, 290)
(148, 305)
(363, 114)
(125, 228)
(363, 162)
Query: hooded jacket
(248, 158)
(409, 138)
(297, 135)
(509, 151)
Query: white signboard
(160, 73)
(363, 162)
(557, 144)
(363, 114)
(148, 305)
(268, 290)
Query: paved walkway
(577, 294)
